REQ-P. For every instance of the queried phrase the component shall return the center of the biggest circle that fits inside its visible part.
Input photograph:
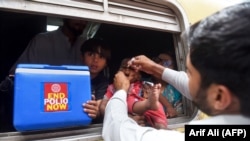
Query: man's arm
(178, 79)
(119, 127)
(37, 49)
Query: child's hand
(91, 107)
(139, 119)
(157, 89)
(147, 88)
(121, 82)
(153, 97)
(171, 112)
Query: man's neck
(71, 37)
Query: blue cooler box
(50, 97)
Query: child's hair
(98, 46)
(171, 54)
(124, 62)
(124, 65)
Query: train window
(52, 27)
(130, 28)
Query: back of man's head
(220, 51)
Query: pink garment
(134, 95)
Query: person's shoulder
(48, 37)
(49, 34)
(101, 78)
(222, 119)
(138, 82)
(110, 85)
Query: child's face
(94, 61)
(166, 61)
(130, 73)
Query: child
(170, 98)
(96, 55)
(139, 98)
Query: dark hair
(124, 62)
(219, 50)
(169, 53)
(97, 45)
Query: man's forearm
(116, 111)
(157, 71)
(178, 79)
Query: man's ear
(222, 97)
